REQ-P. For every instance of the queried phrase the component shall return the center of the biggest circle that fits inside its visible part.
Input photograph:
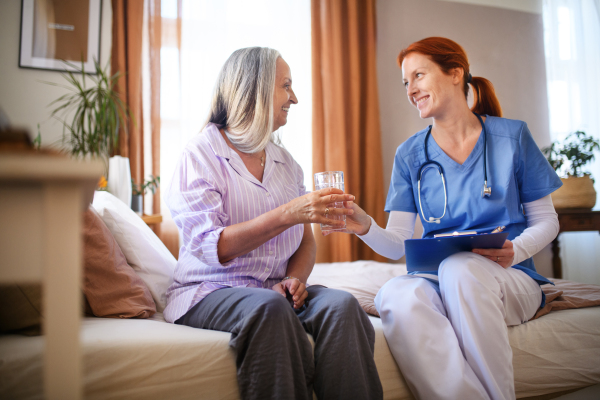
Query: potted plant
(93, 117)
(138, 192)
(569, 157)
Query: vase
(137, 203)
(576, 192)
(119, 178)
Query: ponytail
(484, 98)
(448, 54)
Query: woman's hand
(313, 207)
(295, 288)
(504, 256)
(358, 222)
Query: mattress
(151, 359)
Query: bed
(151, 359)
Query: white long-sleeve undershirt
(542, 228)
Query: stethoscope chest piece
(486, 191)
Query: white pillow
(144, 251)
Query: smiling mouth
(285, 109)
(421, 100)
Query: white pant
(452, 343)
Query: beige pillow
(111, 286)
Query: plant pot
(137, 203)
(576, 192)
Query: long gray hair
(242, 101)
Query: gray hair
(242, 101)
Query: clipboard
(427, 254)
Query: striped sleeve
(196, 204)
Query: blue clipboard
(427, 254)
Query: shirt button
(266, 269)
(268, 194)
(270, 253)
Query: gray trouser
(274, 356)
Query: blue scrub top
(517, 172)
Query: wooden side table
(572, 220)
(41, 202)
(152, 219)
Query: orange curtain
(126, 58)
(346, 128)
(155, 43)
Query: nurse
(447, 328)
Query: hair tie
(470, 78)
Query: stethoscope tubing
(486, 192)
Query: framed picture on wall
(57, 30)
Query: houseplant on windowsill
(138, 192)
(570, 156)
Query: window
(210, 32)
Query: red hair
(448, 55)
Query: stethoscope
(486, 192)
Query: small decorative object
(56, 30)
(140, 190)
(102, 184)
(569, 157)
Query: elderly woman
(471, 170)
(240, 203)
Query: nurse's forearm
(542, 228)
(389, 242)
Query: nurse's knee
(403, 292)
(462, 269)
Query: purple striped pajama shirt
(212, 189)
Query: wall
(23, 97)
(504, 45)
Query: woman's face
(283, 95)
(428, 88)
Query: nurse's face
(428, 88)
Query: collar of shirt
(221, 149)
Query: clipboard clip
(454, 234)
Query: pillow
(143, 250)
(111, 287)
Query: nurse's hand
(358, 222)
(504, 256)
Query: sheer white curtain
(210, 31)
(572, 45)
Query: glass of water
(333, 179)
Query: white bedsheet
(151, 359)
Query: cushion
(143, 250)
(111, 286)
